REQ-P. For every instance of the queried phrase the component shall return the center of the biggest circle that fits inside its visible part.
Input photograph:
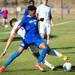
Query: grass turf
(62, 40)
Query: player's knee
(43, 45)
(48, 52)
(20, 50)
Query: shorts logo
(22, 44)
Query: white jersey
(44, 11)
(21, 31)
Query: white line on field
(4, 32)
(63, 23)
(66, 32)
(55, 25)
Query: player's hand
(41, 19)
(53, 25)
(4, 52)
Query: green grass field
(62, 40)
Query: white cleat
(52, 67)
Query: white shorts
(45, 28)
(33, 49)
(4, 19)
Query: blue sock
(55, 53)
(42, 55)
(12, 57)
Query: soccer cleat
(2, 69)
(37, 65)
(52, 67)
(64, 57)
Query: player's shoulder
(25, 19)
(48, 6)
(17, 23)
(41, 5)
(26, 9)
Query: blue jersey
(30, 24)
(26, 12)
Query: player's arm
(1, 12)
(51, 20)
(7, 45)
(10, 41)
(15, 31)
(39, 19)
(37, 15)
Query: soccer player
(44, 11)
(21, 32)
(32, 36)
(31, 2)
(4, 16)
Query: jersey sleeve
(1, 12)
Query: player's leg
(48, 32)
(48, 39)
(42, 30)
(23, 46)
(11, 58)
(53, 52)
(3, 22)
(35, 51)
(41, 45)
(42, 35)
(43, 53)
(56, 53)
(51, 66)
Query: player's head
(31, 2)
(44, 1)
(32, 10)
(12, 22)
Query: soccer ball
(6, 26)
(67, 66)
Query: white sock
(45, 62)
(47, 41)
(54, 52)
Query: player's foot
(37, 65)
(52, 67)
(64, 57)
(2, 69)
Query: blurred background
(60, 8)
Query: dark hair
(12, 20)
(31, 1)
(31, 8)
